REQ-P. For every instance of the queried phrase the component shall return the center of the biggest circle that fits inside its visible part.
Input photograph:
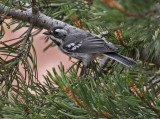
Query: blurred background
(46, 59)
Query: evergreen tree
(115, 91)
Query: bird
(85, 46)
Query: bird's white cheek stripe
(61, 31)
(56, 39)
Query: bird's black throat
(56, 42)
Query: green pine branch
(114, 92)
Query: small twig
(157, 89)
(118, 35)
(90, 1)
(3, 31)
(103, 34)
(152, 80)
(156, 81)
(48, 6)
(1, 42)
(34, 7)
(3, 17)
(1, 21)
(22, 49)
(34, 2)
(26, 39)
(153, 77)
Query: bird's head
(56, 34)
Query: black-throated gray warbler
(85, 46)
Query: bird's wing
(87, 44)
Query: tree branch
(41, 20)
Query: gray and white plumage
(85, 46)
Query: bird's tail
(120, 58)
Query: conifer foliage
(115, 91)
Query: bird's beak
(46, 33)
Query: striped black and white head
(57, 34)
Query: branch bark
(40, 19)
(43, 21)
